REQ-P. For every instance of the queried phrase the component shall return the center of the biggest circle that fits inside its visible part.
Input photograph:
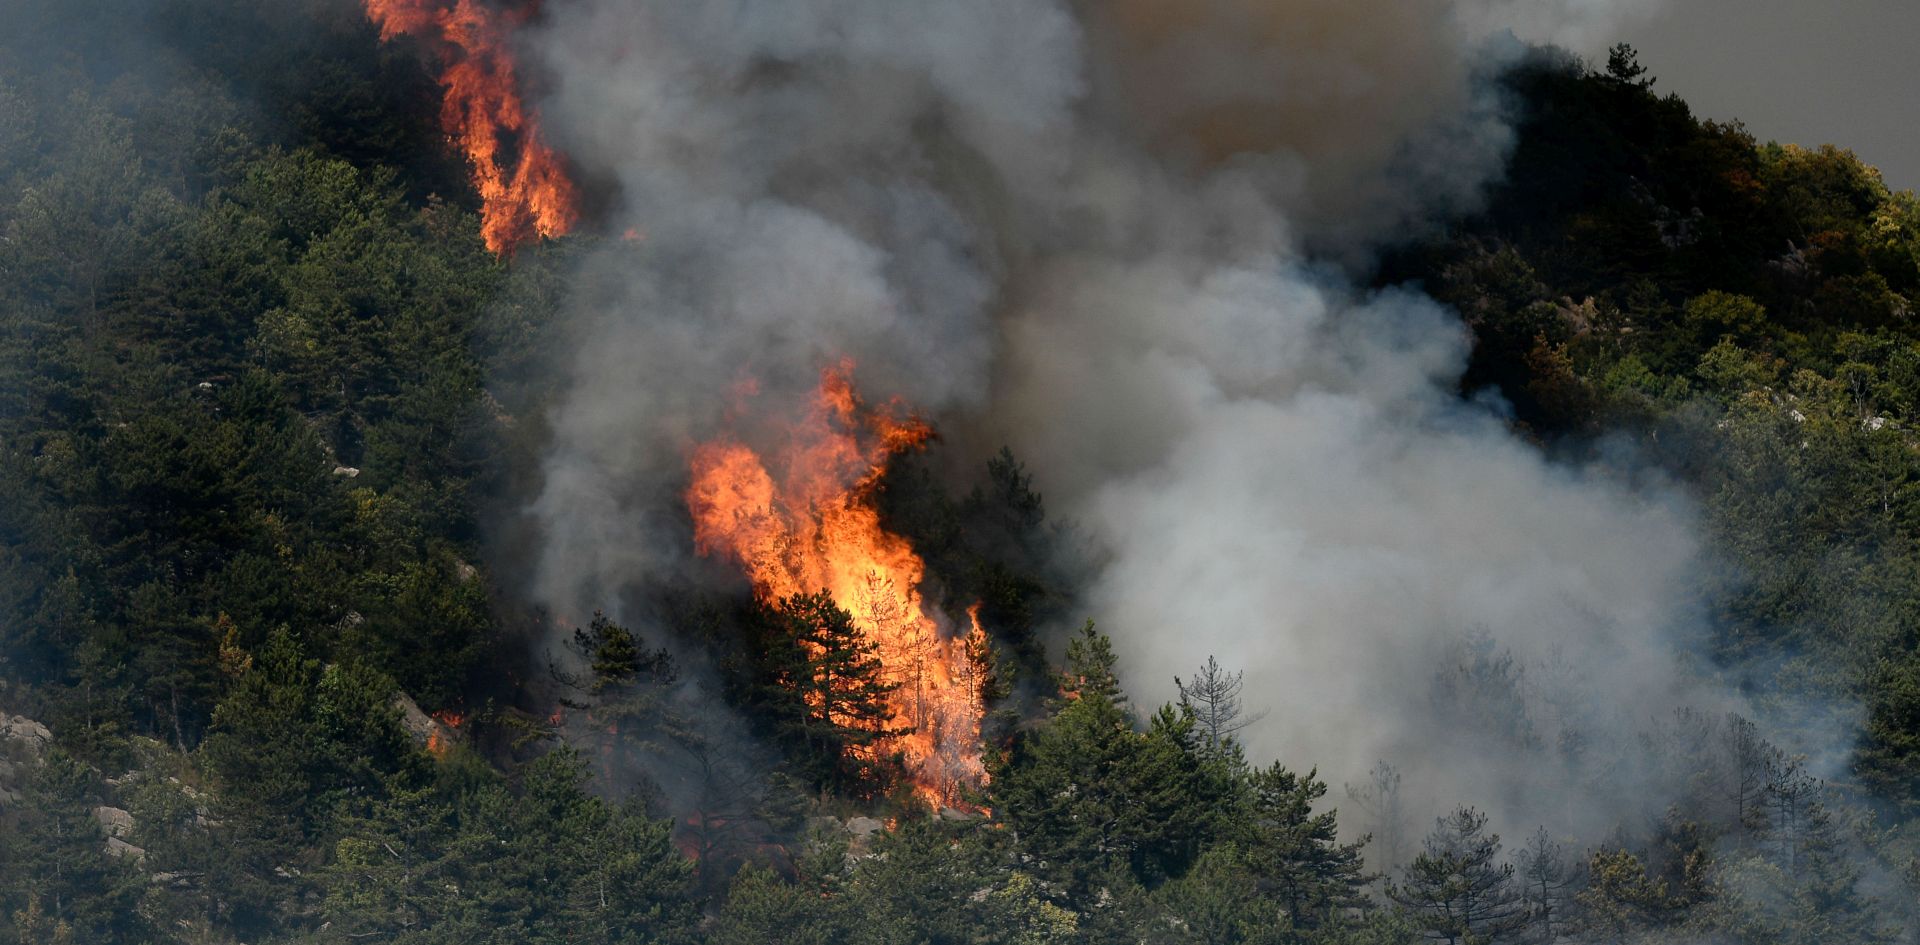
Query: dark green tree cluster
(814, 682)
(1128, 826)
(239, 387)
(1744, 310)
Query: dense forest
(267, 405)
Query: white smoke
(1085, 230)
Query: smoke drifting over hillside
(1090, 231)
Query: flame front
(807, 522)
(484, 113)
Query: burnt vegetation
(264, 394)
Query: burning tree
(827, 686)
(804, 527)
(525, 192)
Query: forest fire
(528, 194)
(446, 725)
(804, 520)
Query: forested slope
(1743, 311)
(267, 405)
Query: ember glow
(524, 191)
(803, 519)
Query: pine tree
(1380, 799)
(618, 656)
(1214, 697)
(1456, 890)
(1829, 905)
(1295, 854)
(1090, 669)
(1746, 756)
(1623, 66)
(1791, 797)
(829, 687)
(1621, 898)
(55, 872)
(1546, 884)
(1089, 795)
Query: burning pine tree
(524, 193)
(803, 526)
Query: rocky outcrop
(22, 741)
(24, 734)
(122, 850)
(113, 821)
(417, 723)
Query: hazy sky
(1805, 71)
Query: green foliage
(60, 883)
(1456, 889)
(1293, 853)
(1097, 795)
(1744, 312)
(245, 447)
(1622, 897)
(545, 865)
(761, 908)
(818, 682)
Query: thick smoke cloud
(1089, 230)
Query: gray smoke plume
(1090, 230)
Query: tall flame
(484, 113)
(806, 522)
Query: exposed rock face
(22, 740)
(18, 730)
(114, 821)
(121, 849)
(417, 723)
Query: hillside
(278, 428)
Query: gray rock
(114, 821)
(25, 732)
(122, 850)
(863, 827)
(416, 722)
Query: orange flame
(484, 114)
(440, 737)
(809, 522)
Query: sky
(1839, 72)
